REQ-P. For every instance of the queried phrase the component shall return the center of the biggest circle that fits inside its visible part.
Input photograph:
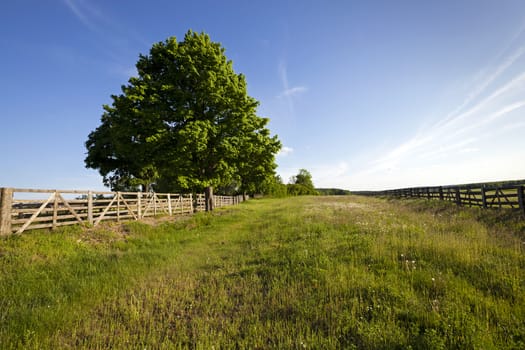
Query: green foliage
(301, 184)
(303, 178)
(313, 272)
(185, 122)
(274, 187)
(332, 191)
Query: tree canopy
(302, 184)
(184, 123)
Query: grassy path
(330, 272)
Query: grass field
(294, 273)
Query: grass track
(316, 272)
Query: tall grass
(322, 272)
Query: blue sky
(363, 94)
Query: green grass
(317, 272)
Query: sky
(364, 94)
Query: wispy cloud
(115, 37)
(514, 126)
(87, 14)
(289, 93)
(482, 86)
(468, 135)
(484, 104)
(297, 90)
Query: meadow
(345, 272)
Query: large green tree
(185, 122)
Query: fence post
(90, 207)
(483, 197)
(118, 205)
(521, 198)
(139, 205)
(458, 196)
(155, 204)
(440, 193)
(6, 202)
(55, 210)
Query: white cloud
(285, 151)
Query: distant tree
(304, 178)
(185, 123)
(301, 184)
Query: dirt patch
(111, 231)
(155, 221)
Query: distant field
(315, 272)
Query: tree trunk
(244, 196)
(208, 198)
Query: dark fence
(506, 195)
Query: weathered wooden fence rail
(486, 196)
(54, 208)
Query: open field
(315, 272)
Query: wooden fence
(54, 208)
(480, 195)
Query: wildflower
(435, 305)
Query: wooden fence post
(483, 197)
(169, 205)
(90, 207)
(521, 198)
(6, 202)
(118, 205)
(209, 199)
(55, 210)
(458, 196)
(139, 205)
(155, 198)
